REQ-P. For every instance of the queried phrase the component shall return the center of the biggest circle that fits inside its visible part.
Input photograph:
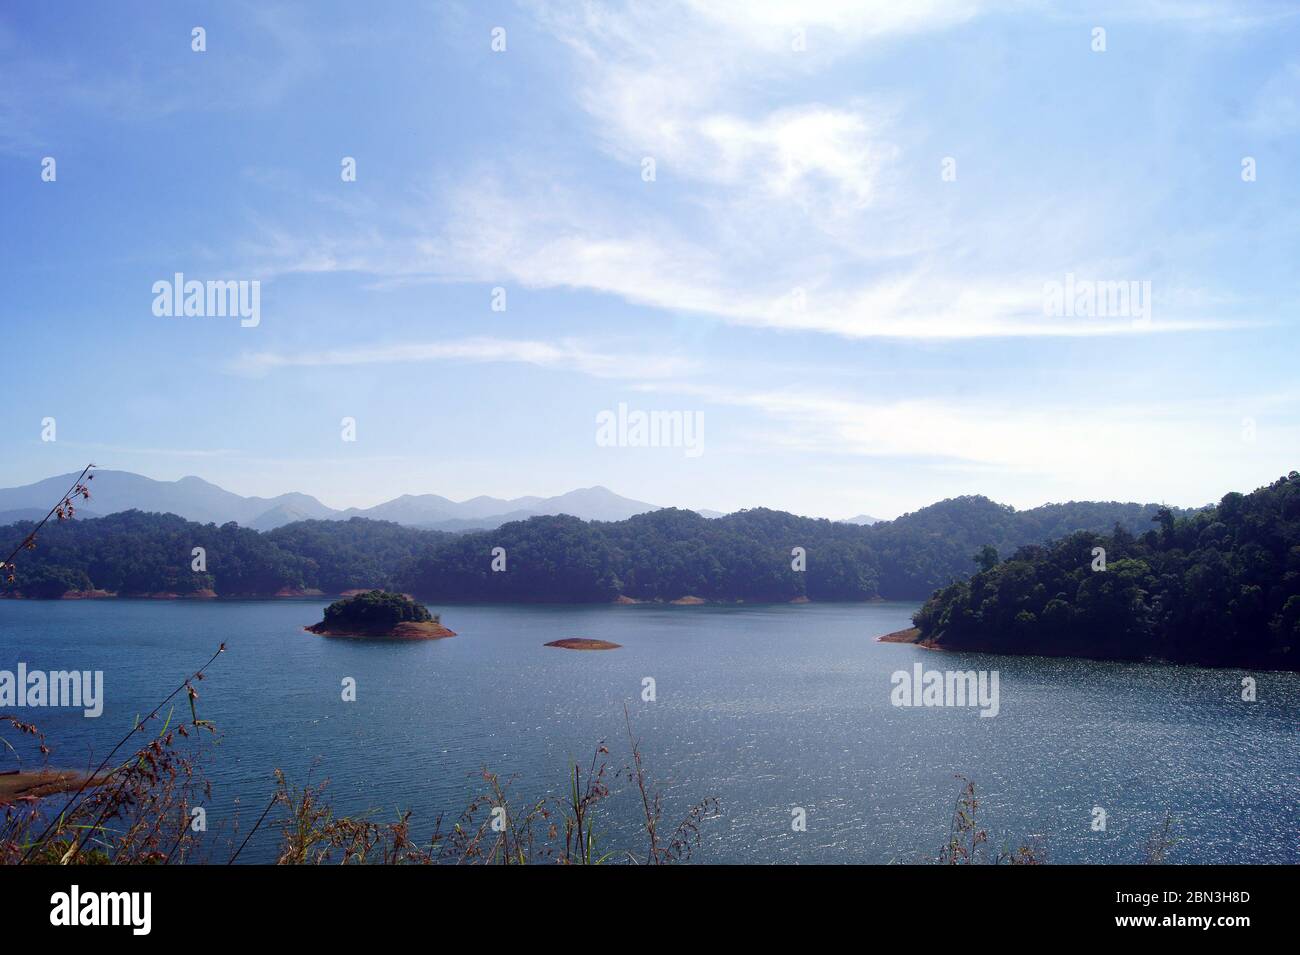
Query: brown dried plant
(968, 843)
(64, 510)
(133, 811)
(680, 842)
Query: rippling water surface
(766, 708)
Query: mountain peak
(866, 520)
(199, 500)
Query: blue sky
(859, 332)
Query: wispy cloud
(559, 241)
(668, 80)
(562, 355)
(1114, 442)
(793, 216)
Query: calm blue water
(766, 708)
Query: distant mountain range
(205, 503)
(663, 554)
(865, 520)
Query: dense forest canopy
(1218, 586)
(660, 555)
(377, 610)
(354, 553)
(137, 553)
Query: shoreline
(293, 594)
(162, 596)
(403, 631)
(911, 636)
(17, 785)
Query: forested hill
(929, 548)
(132, 553)
(744, 556)
(661, 555)
(1218, 587)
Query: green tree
(986, 558)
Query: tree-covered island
(378, 613)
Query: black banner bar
(333, 904)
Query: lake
(767, 708)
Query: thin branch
(197, 675)
(32, 536)
(254, 829)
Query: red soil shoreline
(403, 631)
(911, 635)
(39, 783)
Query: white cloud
(784, 150)
(563, 355)
(559, 241)
(761, 194)
(1100, 449)
(781, 198)
(674, 81)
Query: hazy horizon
(868, 512)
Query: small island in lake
(583, 643)
(378, 613)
